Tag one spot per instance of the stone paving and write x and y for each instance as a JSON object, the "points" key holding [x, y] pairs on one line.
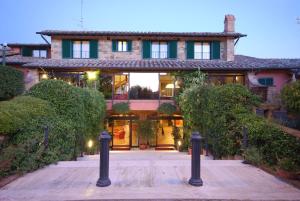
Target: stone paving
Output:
{"points": [[148, 175]]}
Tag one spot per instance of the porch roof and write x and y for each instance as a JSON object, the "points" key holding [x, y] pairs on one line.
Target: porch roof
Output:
{"points": [[240, 63]]}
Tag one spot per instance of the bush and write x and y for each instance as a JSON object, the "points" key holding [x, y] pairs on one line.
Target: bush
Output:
{"points": [[70, 113], [121, 108], [11, 82], [146, 131], [290, 96], [167, 108], [214, 111], [253, 156], [23, 120]]}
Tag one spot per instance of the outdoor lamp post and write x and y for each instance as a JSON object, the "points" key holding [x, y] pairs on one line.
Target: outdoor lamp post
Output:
{"points": [[4, 46]]}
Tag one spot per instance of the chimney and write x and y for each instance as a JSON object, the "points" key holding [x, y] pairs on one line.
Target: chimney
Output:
{"points": [[229, 23]]}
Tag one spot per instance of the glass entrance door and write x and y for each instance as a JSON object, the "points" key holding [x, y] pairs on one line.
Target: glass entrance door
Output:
{"points": [[121, 133]]}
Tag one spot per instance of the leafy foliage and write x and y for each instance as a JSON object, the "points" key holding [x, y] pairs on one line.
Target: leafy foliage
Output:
{"points": [[167, 108], [70, 113], [24, 121], [146, 130], [290, 96], [11, 82], [121, 108], [219, 112]]}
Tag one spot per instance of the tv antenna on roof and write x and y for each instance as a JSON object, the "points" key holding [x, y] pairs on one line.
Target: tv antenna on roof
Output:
{"points": [[81, 14]]}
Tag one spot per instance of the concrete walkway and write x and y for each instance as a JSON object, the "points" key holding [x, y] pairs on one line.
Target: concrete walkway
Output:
{"points": [[148, 175]]}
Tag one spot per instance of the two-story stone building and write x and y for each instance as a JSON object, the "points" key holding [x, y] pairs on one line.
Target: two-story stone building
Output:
{"points": [[138, 68]]}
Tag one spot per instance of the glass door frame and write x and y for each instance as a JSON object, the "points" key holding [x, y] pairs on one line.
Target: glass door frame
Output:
{"points": [[129, 118]]}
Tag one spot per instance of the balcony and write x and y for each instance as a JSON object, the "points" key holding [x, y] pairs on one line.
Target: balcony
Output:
{"points": [[135, 105]]}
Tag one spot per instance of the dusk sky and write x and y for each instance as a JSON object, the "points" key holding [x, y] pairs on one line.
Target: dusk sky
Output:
{"points": [[271, 25]]}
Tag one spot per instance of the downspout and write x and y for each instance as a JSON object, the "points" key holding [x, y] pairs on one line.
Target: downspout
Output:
{"points": [[43, 37]]}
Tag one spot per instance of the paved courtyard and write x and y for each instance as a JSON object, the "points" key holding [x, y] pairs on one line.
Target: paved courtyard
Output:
{"points": [[148, 175]]}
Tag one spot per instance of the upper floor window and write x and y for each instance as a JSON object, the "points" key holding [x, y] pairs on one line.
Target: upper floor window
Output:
{"points": [[159, 50], [201, 50], [39, 53], [81, 49], [121, 45], [266, 81]]}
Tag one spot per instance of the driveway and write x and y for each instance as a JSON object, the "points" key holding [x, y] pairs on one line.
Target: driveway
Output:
{"points": [[148, 175]]}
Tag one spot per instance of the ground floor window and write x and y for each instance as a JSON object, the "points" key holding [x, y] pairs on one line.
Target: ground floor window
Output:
{"points": [[219, 79]]}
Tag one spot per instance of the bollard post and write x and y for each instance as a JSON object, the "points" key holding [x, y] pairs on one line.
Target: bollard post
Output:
{"points": [[46, 136], [245, 138], [195, 179], [104, 180]]}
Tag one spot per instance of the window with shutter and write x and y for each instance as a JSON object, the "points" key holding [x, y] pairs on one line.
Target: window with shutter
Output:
{"points": [[146, 49]]}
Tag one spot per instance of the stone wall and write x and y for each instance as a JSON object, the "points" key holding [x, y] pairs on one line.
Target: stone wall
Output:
{"points": [[31, 77], [56, 49], [105, 51]]}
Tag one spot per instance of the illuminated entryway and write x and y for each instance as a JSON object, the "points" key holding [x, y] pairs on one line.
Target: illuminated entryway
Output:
{"points": [[125, 136]]}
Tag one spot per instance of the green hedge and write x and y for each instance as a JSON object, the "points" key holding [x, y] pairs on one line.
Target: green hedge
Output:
{"points": [[22, 120], [290, 96], [167, 108], [72, 114], [11, 82], [220, 112]]}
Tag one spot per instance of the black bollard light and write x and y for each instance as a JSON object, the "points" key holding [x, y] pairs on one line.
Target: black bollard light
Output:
{"points": [[104, 160], [195, 179]]}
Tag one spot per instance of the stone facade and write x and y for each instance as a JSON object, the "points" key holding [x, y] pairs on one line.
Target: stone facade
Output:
{"points": [[56, 49], [31, 77], [181, 55], [105, 51], [228, 51]]}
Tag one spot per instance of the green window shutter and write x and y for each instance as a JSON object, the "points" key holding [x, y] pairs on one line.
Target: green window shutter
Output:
{"points": [[172, 49], [67, 49], [129, 45], [215, 52], [190, 49], [146, 49], [26, 52], [94, 49], [114, 45]]}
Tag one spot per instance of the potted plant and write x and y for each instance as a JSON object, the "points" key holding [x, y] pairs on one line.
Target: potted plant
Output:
{"points": [[146, 133], [177, 137], [287, 168], [167, 108]]}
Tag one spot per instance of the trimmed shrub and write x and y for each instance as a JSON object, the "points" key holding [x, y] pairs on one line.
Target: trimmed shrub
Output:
{"points": [[167, 108], [82, 109], [290, 96], [11, 82], [23, 120]]}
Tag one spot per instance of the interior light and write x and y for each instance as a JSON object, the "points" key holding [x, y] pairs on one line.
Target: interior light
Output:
{"points": [[44, 76], [179, 143], [69, 83], [55, 78], [163, 73], [170, 86], [90, 143], [92, 75], [236, 78]]}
